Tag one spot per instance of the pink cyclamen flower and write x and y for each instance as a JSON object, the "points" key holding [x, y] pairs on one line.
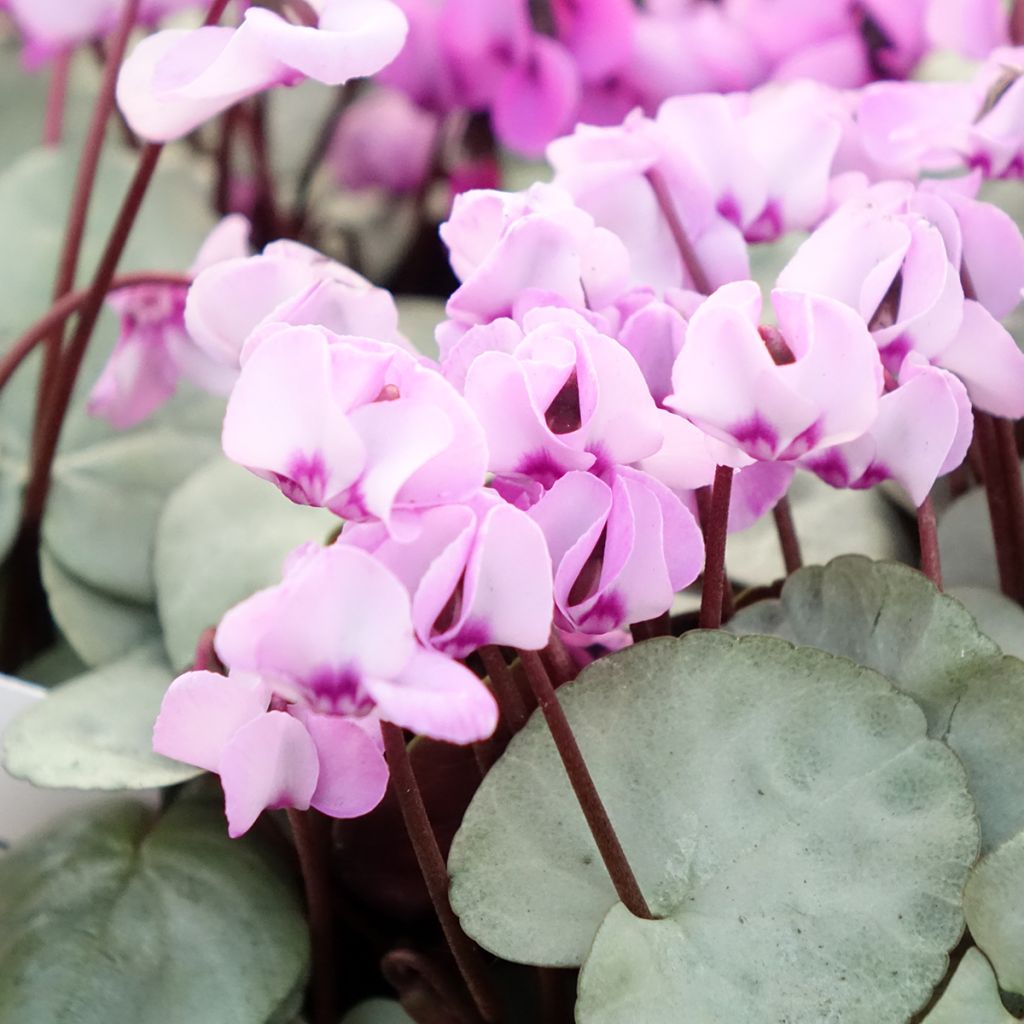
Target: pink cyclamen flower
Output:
{"points": [[621, 547], [477, 572], [559, 396], [608, 173], [154, 350], [270, 754], [288, 283], [357, 426], [176, 79], [922, 431], [383, 140], [504, 244], [336, 637], [727, 382], [899, 256]]}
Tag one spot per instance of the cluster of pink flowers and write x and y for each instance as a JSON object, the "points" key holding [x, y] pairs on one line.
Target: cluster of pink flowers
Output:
{"points": [[537, 69], [603, 354]]}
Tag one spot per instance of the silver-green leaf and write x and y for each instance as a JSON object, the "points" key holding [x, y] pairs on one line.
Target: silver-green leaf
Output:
{"points": [[95, 732], [786, 815]]}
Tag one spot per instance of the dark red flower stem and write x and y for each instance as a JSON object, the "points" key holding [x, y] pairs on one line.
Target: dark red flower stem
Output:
{"points": [[311, 832], [715, 533], [927, 532], [601, 828], [513, 710], [435, 873], [1017, 23], [998, 483], [67, 307], [1009, 457], [687, 252], [788, 540], [81, 194], [56, 99]]}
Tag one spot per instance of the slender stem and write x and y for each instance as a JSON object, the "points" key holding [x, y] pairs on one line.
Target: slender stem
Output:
{"points": [[614, 857], [266, 211], [59, 395], [927, 532], [67, 307], [687, 252], [715, 534], [999, 507], [1017, 23], [312, 840], [1013, 481], [510, 700], [561, 663], [435, 873], [788, 540], [85, 180], [222, 188], [56, 99]]}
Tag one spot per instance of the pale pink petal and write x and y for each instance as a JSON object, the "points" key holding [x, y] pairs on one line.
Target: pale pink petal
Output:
{"points": [[986, 358], [755, 490], [506, 596], [337, 618], [437, 697], [972, 27], [202, 711], [599, 33], [535, 100], [353, 773], [284, 423], [175, 80], [354, 38], [270, 763], [501, 335], [227, 241]]}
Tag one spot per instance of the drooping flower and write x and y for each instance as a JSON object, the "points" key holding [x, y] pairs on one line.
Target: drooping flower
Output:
{"points": [[477, 572], [357, 426], [621, 547], [270, 754], [336, 637], [176, 79], [922, 431], [726, 380], [154, 349], [383, 140], [288, 283], [505, 245], [560, 396], [900, 257]]}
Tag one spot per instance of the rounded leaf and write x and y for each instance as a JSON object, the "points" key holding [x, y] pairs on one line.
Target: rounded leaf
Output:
{"points": [[885, 616], [96, 731], [972, 996], [995, 912], [114, 917], [786, 816], [987, 734], [99, 627]]}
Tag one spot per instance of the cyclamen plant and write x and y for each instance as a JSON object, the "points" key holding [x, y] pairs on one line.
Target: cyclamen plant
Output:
{"points": [[510, 616]]}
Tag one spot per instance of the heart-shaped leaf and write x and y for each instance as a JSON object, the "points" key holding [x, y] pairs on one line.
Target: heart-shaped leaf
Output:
{"points": [[995, 911], [885, 616], [100, 628], [106, 499], [972, 996], [223, 535], [118, 917], [787, 818], [96, 732]]}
